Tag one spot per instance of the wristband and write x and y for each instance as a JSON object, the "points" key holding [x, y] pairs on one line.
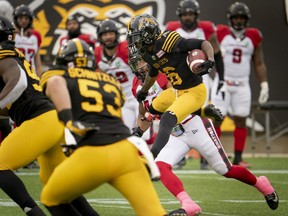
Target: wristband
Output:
{"points": [[65, 115]]}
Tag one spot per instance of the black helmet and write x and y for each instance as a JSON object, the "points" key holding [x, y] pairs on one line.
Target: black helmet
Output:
{"points": [[7, 30], [76, 53], [73, 33], [238, 9], [134, 62], [108, 26], [143, 30], [188, 6], [23, 10]]}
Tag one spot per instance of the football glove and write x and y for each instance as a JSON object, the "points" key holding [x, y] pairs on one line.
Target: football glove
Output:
{"points": [[221, 88], [264, 93], [81, 128], [141, 96], [137, 132], [148, 117], [206, 67]]}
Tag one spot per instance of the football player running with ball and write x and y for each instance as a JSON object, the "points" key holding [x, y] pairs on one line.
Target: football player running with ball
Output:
{"points": [[167, 53], [196, 133]]}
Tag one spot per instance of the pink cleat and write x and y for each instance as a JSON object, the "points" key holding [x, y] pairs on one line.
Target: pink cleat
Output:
{"points": [[263, 185]]}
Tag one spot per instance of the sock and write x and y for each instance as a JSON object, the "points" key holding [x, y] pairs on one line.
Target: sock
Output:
{"points": [[263, 185], [16, 190], [83, 207], [242, 174], [169, 179], [63, 210], [240, 135], [188, 204], [35, 211], [168, 121], [218, 131]]}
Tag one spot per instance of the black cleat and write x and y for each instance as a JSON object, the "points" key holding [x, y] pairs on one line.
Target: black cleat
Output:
{"points": [[210, 111], [272, 200], [178, 212]]}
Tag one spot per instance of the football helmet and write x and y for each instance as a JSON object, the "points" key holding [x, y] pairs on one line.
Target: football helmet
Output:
{"points": [[7, 30], [23, 10], [138, 66], [143, 30], [73, 30], [76, 53], [238, 9], [108, 26], [188, 6]]}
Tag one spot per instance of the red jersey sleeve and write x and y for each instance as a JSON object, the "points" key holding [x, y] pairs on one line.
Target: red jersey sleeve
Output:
{"points": [[122, 51], [98, 54], [89, 39], [38, 35], [173, 25], [255, 35], [136, 83], [208, 28], [222, 31]]}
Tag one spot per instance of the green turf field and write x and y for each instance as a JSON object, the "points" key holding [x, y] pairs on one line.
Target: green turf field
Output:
{"points": [[216, 195]]}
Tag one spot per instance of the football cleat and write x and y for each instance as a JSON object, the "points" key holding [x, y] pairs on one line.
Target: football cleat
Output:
{"points": [[210, 111], [272, 200], [178, 212]]}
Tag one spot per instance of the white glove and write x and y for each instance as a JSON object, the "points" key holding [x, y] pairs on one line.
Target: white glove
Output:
{"points": [[264, 93]]}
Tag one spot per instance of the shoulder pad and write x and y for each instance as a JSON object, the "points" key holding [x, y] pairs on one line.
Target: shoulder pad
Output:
{"points": [[169, 39]]}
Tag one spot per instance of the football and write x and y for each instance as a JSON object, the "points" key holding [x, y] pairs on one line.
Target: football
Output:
{"points": [[195, 58]]}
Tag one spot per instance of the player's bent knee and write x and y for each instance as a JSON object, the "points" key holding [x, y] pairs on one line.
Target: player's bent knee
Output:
{"points": [[219, 168]]}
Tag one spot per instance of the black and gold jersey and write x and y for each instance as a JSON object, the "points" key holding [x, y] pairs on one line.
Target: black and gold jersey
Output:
{"points": [[32, 102], [169, 57], [97, 98]]}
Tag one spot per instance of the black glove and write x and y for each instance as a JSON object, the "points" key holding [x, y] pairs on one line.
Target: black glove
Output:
{"points": [[68, 149], [221, 88], [81, 128], [141, 96], [206, 67], [137, 132]]}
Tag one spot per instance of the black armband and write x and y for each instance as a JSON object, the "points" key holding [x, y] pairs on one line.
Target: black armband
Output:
{"points": [[137, 131], [65, 115], [219, 65]]}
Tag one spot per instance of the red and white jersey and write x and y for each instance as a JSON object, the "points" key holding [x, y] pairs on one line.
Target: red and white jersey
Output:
{"points": [[203, 30], [157, 88], [237, 53], [29, 45], [117, 66], [89, 39]]}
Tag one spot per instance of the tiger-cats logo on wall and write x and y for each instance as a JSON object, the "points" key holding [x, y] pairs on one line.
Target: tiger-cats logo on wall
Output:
{"points": [[50, 16]]}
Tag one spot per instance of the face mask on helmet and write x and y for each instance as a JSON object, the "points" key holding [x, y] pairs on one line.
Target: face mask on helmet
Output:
{"points": [[7, 30], [138, 66], [238, 16], [76, 54], [186, 9], [143, 30], [23, 10], [104, 27]]}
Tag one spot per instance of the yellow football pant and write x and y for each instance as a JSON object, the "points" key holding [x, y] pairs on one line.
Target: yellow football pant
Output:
{"points": [[117, 164], [38, 137], [181, 102]]}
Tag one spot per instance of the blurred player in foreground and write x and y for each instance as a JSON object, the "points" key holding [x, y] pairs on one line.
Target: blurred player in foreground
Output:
{"points": [[89, 105], [22, 99]]}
